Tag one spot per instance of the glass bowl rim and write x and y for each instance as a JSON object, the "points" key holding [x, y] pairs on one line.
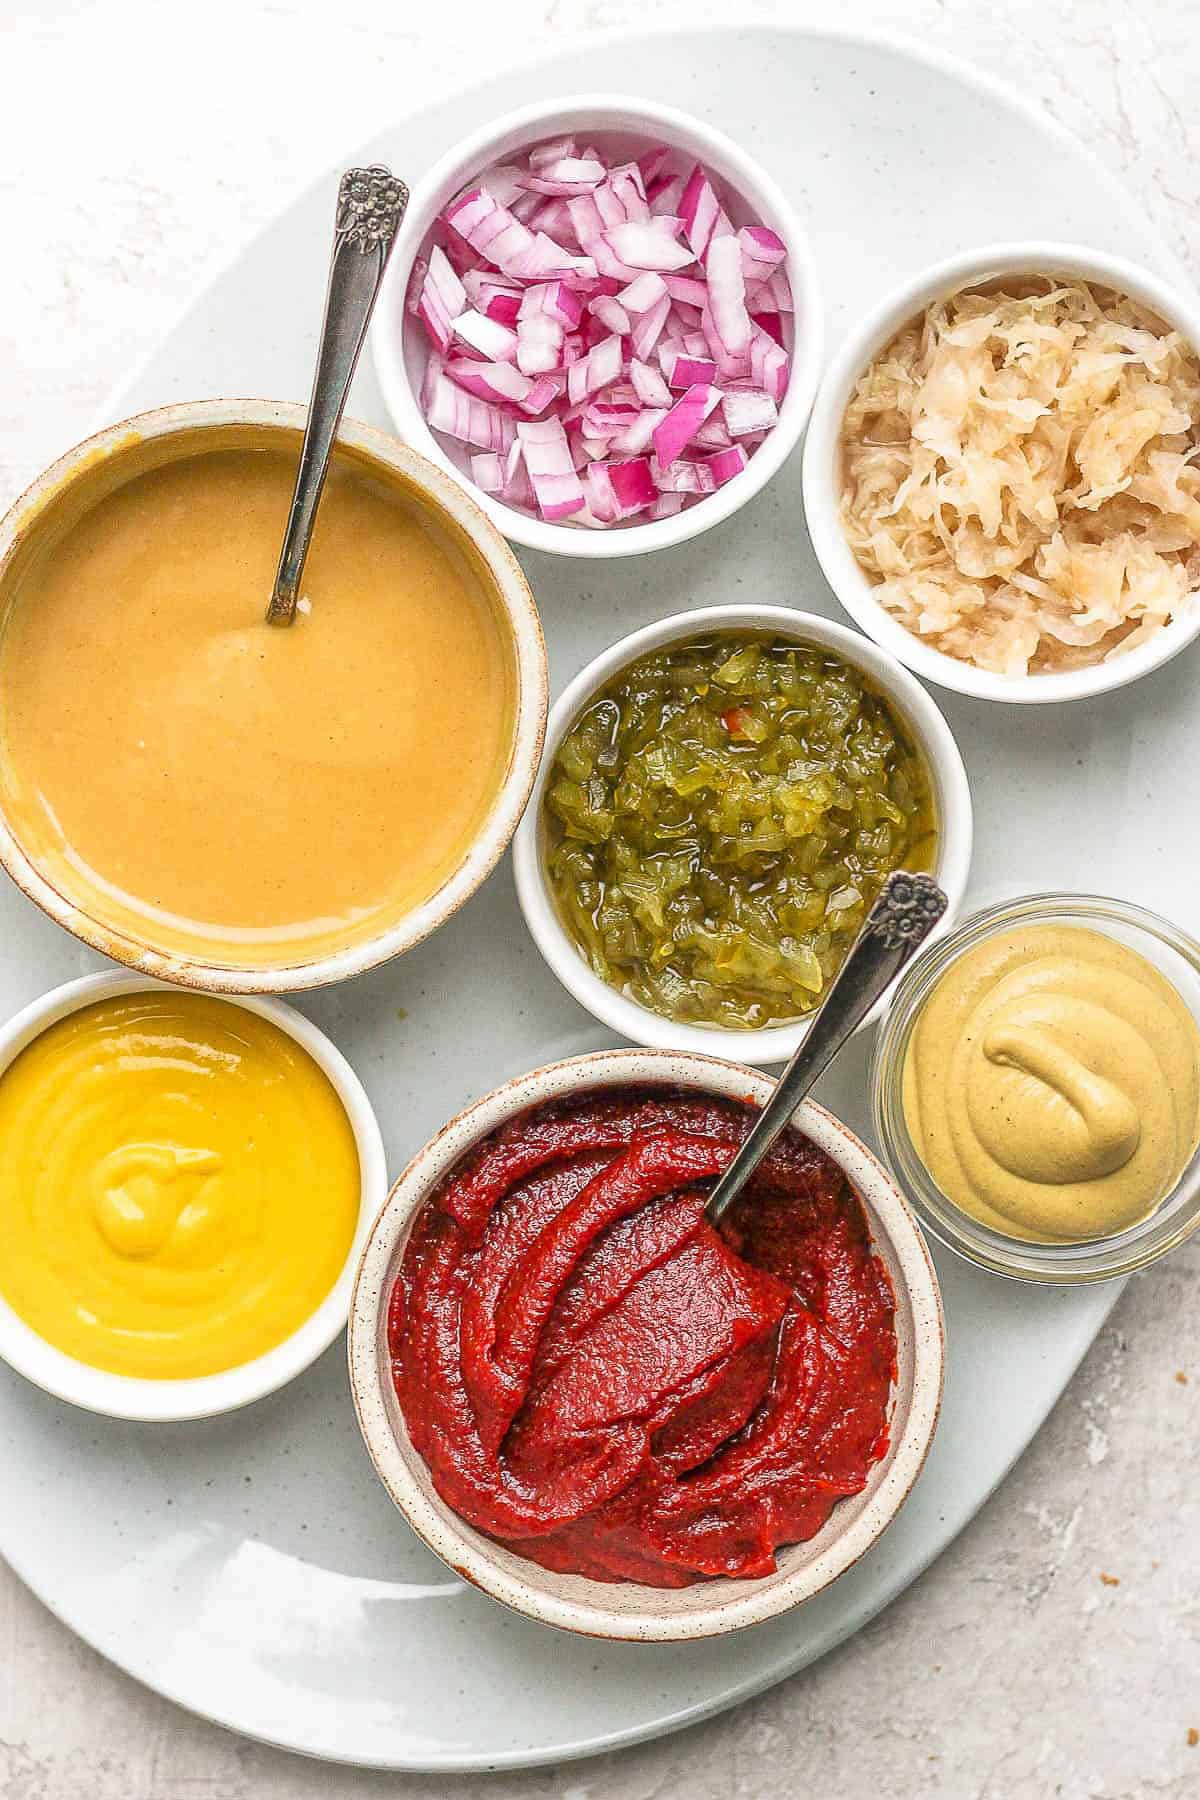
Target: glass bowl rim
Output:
{"points": [[1053, 1264]]}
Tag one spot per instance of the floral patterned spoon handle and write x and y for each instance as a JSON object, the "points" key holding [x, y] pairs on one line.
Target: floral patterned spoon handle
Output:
{"points": [[370, 206]]}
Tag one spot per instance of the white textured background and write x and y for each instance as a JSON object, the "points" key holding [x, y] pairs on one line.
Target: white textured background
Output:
{"points": [[1055, 1649]]}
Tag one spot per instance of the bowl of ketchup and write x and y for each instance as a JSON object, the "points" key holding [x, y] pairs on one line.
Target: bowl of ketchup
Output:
{"points": [[611, 1415]]}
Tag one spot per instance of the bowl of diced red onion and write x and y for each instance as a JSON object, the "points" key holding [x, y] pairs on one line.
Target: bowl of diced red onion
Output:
{"points": [[602, 317]]}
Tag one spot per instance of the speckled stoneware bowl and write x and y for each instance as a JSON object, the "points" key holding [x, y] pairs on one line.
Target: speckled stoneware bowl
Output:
{"points": [[630, 1610], [151, 439]]}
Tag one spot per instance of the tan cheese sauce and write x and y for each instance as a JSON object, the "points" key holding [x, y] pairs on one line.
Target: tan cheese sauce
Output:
{"points": [[221, 788]]}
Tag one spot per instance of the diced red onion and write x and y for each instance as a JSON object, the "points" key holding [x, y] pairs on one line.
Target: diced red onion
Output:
{"points": [[501, 383], [762, 252], [442, 298], [547, 456], [771, 323], [611, 314], [748, 411], [633, 484], [605, 344], [552, 151], [567, 176], [649, 245], [776, 293], [638, 435], [727, 463], [643, 293], [648, 328], [542, 393], [712, 435], [648, 384], [687, 288], [585, 217], [556, 300], [683, 371], [492, 296], [460, 415], [769, 365], [539, 344], [487, 472], [683, 477], [679, 427], [702, 213], [665, 193], [601, 365], [493, 341], [727, 298]]}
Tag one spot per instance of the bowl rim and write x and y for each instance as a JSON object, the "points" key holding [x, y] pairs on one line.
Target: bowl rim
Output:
{"points": [[446, 499], [160, 1400], [917, 708], [820, 487], [752, 182], [1108, 1258], [466, 1551]]}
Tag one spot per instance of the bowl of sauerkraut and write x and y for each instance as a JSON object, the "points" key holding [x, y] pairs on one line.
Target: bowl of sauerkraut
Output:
{"points": [[1002, 473]]}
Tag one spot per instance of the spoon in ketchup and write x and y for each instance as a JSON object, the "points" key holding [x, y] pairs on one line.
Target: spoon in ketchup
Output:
{"points": [[905, 912]]}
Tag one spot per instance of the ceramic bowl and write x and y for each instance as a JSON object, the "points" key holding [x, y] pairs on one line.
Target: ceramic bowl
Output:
{"points": [[631, 1610], [151, 439], [1175, 954], [912, 704], [199, 1397], [401, 348], [822, 478]]}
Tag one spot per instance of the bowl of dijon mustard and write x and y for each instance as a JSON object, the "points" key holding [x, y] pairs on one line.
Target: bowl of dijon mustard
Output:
{"points": [[221, 802], [1037, 1087]]}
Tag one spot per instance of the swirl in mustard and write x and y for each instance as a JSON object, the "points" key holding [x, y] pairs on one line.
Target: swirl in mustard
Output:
{"points": [[1052, 1084], [179, 1187]]}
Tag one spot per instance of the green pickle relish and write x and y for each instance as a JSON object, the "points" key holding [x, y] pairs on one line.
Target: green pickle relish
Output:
{"points": [[719, 819]]}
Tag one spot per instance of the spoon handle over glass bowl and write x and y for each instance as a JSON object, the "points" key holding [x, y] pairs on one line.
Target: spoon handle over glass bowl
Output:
{"points": [[370, 205], [905, 912]]}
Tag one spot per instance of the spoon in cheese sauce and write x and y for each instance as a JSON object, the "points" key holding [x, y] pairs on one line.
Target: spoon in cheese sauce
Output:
{"points": [[371, 204]]}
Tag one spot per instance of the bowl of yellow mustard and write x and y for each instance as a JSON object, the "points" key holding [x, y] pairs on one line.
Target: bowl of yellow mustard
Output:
{"points": [[1036, 1087], [186, 1186]]}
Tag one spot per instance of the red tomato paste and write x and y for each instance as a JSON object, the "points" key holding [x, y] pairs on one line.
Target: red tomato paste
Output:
{"points": [[603, 1382]]}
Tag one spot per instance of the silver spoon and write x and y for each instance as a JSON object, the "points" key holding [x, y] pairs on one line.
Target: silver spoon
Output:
{"points": [[370, 206], [906, 911]]}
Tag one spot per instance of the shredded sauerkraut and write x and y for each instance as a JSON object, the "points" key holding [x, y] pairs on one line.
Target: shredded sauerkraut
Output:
{"points": [[1019, 475]]}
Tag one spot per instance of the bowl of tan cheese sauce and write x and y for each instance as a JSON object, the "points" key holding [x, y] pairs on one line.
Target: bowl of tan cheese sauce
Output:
{"points": [[233, 805]]}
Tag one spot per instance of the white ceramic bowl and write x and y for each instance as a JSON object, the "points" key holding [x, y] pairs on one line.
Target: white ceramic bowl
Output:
{"points": [[632, 1610], [822, 481], [200, 1397], [151, 439], [401, 348], [929, 729]]}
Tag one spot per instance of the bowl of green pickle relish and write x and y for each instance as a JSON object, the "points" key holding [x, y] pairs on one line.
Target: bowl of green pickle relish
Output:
{"points": [[721, 797]]}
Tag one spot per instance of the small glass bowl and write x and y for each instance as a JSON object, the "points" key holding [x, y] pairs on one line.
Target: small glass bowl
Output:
{"points": [[1175, 955]]}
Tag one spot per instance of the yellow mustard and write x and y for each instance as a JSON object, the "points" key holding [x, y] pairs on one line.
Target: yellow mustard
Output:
{"points": [[1052, 1084], [179, 1185]]}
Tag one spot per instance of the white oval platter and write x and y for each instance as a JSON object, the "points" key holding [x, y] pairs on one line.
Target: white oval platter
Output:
{"points": [[251, 1567]]}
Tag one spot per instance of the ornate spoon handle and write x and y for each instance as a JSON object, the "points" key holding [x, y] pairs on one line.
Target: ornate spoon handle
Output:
{"points": [[908, 908], [370, 206]]}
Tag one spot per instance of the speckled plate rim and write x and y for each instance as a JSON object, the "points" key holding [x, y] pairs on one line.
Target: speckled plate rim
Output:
{"points": [[530, 700], [598, 1609]]}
